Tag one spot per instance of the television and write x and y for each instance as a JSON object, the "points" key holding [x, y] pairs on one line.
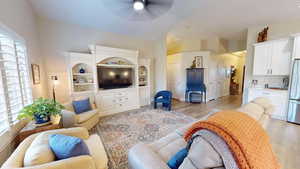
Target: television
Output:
{"points": [[113, 78]]}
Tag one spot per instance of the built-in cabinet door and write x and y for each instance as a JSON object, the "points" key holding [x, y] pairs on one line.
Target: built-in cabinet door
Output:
{"points": [[262, 59], [281, 57]]}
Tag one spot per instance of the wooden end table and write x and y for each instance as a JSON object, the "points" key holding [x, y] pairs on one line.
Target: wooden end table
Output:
{"points": [[32, 128]]}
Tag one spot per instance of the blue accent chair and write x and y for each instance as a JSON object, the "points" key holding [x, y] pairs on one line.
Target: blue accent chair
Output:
{"points": [[164, 97]]}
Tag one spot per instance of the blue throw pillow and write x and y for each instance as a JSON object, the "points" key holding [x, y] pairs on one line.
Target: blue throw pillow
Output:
{"points": [[81, 106], [67, 146], [178, 158]]}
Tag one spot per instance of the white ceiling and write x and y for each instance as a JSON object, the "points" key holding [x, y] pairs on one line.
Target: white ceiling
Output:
{"points": [[195, 18]]}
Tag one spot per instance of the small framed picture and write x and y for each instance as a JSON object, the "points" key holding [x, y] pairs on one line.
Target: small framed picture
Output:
{"points": [[36, 73]]}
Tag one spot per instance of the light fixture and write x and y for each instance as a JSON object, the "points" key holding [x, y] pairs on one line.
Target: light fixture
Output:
{"points": [[125, 74], [139, 5], [111, 73]]}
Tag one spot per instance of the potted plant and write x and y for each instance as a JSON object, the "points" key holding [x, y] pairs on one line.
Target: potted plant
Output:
{"points": [[41, 110]]}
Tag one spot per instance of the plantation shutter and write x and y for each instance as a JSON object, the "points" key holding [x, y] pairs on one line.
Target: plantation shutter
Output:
{"points": [[15, 81]]}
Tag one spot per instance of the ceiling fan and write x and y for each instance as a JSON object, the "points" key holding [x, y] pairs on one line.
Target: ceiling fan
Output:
{"points": [[138, 10]]}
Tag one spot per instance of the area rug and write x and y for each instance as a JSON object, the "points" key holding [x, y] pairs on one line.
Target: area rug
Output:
{"points": [[122, 131]]}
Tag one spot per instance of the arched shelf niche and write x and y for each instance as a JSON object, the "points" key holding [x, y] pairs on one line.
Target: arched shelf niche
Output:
{"points": [[116, 61], [143, 76], [83, 80]]}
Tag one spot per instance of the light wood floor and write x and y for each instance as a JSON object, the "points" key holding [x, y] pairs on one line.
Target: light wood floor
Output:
{"points": [[285, 137]]}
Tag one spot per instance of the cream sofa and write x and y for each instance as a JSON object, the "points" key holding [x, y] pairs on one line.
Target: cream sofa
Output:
{"points": [[157, 154], [96, 160], [87, 119]]}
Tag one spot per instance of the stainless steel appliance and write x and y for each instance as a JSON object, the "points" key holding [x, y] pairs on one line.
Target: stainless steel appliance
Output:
{"points": [[294, 99]]}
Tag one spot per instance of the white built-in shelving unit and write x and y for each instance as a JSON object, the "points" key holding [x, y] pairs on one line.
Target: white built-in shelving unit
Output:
{"points": [[108, 101]]}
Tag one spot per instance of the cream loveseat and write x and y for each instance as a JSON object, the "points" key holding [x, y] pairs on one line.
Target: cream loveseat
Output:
{"points": [[157, 154], [96, 160]]}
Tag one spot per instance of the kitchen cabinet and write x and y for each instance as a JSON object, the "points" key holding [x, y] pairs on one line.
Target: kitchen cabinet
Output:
{"points": [[279, 98], [272, 58]]}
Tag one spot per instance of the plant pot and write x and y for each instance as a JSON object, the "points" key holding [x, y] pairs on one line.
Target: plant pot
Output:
{"points": [[41, 120]]}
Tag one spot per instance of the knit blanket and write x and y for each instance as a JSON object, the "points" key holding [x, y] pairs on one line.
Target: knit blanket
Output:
{"points": [[245, 137]]}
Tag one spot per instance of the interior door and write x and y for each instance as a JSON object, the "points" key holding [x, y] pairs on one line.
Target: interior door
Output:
{"points": [[262, 59], [281, 57]]}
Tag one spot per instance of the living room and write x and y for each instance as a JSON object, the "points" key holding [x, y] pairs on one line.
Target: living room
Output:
{"points": [[117, 60]]}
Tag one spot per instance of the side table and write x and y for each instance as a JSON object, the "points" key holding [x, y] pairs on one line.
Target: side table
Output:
{"points": [[32, 128]]}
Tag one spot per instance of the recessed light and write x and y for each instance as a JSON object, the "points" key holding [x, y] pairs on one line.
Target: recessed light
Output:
{"points": [[138, 5]]}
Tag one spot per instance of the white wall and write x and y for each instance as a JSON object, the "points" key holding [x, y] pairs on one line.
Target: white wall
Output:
{"points": [[17, 17], [276, 31], [57, 38], [160, 53]]}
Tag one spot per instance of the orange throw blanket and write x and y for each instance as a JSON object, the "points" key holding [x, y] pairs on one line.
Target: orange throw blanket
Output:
{"points": [[245, 137]]}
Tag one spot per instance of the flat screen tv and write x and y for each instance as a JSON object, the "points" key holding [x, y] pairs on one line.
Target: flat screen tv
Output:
{"points": [[113, 78]]}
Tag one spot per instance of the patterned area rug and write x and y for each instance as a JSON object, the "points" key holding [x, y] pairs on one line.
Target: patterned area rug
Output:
{"points": [[121, 131]]}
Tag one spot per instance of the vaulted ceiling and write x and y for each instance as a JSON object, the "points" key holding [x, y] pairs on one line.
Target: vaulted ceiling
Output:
{"points": [[224, 18]]}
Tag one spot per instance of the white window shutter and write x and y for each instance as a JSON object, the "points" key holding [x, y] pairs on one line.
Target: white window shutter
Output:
{"points": [[15, 88]]}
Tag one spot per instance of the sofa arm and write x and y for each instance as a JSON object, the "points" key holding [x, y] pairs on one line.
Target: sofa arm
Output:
{"points": [[141, 156], [68, 118], [79, 162]]}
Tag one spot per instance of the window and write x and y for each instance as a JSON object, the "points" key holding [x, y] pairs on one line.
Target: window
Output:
{"points": [[15, 89]]}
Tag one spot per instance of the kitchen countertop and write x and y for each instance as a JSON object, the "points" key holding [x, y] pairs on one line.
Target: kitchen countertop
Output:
{"points": [[269, 89]]}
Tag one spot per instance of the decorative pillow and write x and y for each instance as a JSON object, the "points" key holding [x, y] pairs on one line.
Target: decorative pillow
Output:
{"points": [[38, 152], [67, 146], [81, 106], [177, 159]]}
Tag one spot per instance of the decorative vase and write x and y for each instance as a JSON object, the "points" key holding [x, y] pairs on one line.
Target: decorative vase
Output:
{"points": [[41, 120], [81, 70]]}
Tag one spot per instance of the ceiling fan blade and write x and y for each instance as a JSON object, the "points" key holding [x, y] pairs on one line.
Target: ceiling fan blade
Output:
{"points": [[157, 10], [160, 2]]}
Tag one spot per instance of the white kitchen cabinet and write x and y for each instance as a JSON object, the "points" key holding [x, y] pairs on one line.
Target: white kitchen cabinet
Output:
{"points": [[281, 57], [272, 58], [279, 98], [262, 59]]}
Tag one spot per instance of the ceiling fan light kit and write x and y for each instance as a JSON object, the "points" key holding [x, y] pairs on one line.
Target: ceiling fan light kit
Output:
{"points": [[138, 5], [138, 10]]}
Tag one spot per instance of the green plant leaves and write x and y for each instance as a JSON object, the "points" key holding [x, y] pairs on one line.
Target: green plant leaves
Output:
{"points": [[42, 107]]}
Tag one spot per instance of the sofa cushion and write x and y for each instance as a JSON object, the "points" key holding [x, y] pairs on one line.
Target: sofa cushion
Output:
{"points": [[169, 145], [253, 110], [265, 103], [202, 155], [67, 146], [38, 152], [82, 106], [83, 117]]}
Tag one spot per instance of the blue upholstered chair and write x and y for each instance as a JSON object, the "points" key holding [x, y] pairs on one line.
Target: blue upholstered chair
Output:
{"points": [[164, 97]]}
